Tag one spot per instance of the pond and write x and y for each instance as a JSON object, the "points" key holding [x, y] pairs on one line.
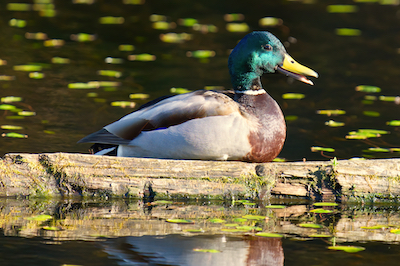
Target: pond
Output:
{"points": [[167, 232], [67, 68]]}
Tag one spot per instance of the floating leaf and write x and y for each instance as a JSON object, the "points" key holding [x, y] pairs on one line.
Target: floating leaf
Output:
{"points": [[331, 112], [366, 133], [371, 113], [155, 17], [377, 149], [395, 231], [49, 132], [265, 234], [10, 99], [389, 98], [8, 107], [349, 249], [375, 227], [163, 25], [254, 217], [249, 203], [179, 90], [233, 230], [141, 96], [206, 250], [26, 113], [332, 123], [342, 8], [249, 228], [291, 117], [109, 73], [316, 149], [29, 68], [233, 17], [19, 23], [83, 37], [18, 7], [325, 204], [11, 127], [320, 235], [321, 211], [111, 20], [142, 57], [201, 54], [123, 104], [175, 37], [179, 221], [277, 159], [14, 135], [347, 32], [395, 123], [231, 225], [217, 221], [187, 22], [40, 218], [5, 77], [293, 96], [81, 85], [134, 2], [237, 27], [36, 75], [126, 47], [60, 60], [270, 22], [310, 225], [275, 206], [240, 220], [53, 43], [112, 60], [159, 202]]}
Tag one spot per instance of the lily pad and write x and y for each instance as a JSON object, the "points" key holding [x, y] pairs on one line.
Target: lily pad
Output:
{"points": [[349, 249], [51, 228], [141, 96], [240, 220], [321, 211], [160, 202], [375, 227], [270, 22], [179, 221], [371, 113], [11, 127], [231, 225], [249, 228], [201, 54], [254, 217], [332, 123], [310, 225], [293, 96], [342, 8], [142, 57], [179, 90], [265, 234], [320, 235], [316, 149], [275, 206], [29, 68], [206, 250], [368, 88], [395, 231], [10, 99], [237, 27], [194, 230], [325, 204], [40, 218], [14, 135], [217, 221], [331, 112], [347, 32], [394, 123]]}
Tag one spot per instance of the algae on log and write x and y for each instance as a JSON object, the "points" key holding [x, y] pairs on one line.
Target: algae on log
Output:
{"points": [[64, 174]]}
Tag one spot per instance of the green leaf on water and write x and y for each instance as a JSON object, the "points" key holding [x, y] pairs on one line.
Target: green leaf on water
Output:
{"points": [[201, 54], [366, 133], [320, 235], [141, 96], [19, 23], [291, 117], [142, 57], [389, 98], [270, 22], [179, 221], [347, 32], [194, 230], [161, 202], [29, 68], [265, 234], [332, 123], [18, 7], [371, 113], [14, 135], [179, 90], [233, 17], [249, 203], [394, 123], [8, 107], [321, 211], [11, 127], [206, 250], [325, 204], [10, 99], [40, 218], [26, 113], [293, 96], [217, 221], [123, 104], [254, 217], [83, 37], [305, 225], [375, 227], [60, 60], [249, 228], [237, 27], [113, 60], [126, 47], [342, 8], [275, 206], [368, 88], [377, 149], [395, 231], [349, 249], [239, 220], [331, 112], [111, 20], [110, 73], [51, 228], [316, 149], [231, 225]]}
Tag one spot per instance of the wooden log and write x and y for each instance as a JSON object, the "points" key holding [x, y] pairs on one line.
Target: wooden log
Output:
{"points": [[64, 174]]}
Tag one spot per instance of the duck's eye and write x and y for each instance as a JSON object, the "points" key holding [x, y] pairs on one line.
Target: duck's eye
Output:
{"points": [[267, 47]]}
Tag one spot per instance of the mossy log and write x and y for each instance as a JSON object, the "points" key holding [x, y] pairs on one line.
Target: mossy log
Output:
{"points": [[64, 174]]}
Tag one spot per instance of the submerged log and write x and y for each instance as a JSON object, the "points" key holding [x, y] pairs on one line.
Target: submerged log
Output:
{"points": [[64, 174]]}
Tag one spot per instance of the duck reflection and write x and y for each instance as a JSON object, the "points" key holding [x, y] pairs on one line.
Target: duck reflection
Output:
{"points": [[180, 250]]}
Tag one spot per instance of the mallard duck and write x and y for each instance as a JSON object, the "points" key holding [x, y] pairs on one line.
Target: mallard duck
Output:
{"points": [[245, 124]]}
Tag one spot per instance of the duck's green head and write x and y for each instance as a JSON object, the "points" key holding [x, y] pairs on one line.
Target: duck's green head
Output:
{"points": [[261, 52]]}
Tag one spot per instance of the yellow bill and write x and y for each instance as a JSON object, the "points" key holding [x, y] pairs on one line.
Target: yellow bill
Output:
{"points": [[295, 70]]}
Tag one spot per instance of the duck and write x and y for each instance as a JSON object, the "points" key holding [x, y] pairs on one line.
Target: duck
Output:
{"points": [[243, 124]]}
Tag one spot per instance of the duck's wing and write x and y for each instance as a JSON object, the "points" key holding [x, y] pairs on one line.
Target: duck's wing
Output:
{"points": [[165, 113]]}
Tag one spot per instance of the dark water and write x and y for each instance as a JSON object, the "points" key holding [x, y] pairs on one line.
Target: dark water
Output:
{"points": [[65, 115]]}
